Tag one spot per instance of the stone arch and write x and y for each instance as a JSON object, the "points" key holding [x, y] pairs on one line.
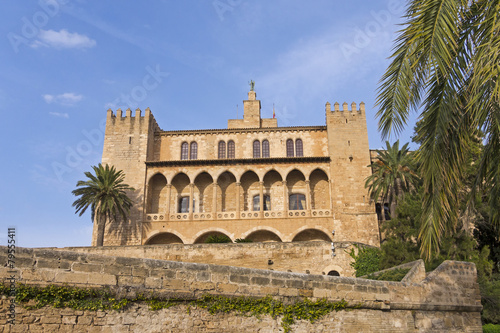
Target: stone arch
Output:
{"points": [[149, 176], [226, 192], [201, 236], [203, 192], [320, 190], [249, 187], [167, 237], [157, 194], [273, 187], [267, 229], [309, 234], [263, 236], [296, 183], [180, 188], [333, 268]]}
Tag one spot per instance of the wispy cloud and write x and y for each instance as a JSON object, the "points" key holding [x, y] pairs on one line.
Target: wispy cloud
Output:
{"points": [[66, 99], [63, 39], [57, 114]]}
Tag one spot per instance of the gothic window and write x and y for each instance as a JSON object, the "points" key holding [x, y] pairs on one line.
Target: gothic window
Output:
{"points": [[194, 151], [265, 148], [299, 151], [222, 149], [230, 149], [297, 201], [184, 151], [256, 149], [289, 148]]}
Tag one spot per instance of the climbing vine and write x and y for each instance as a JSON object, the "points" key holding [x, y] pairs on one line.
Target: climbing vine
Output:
{"points": [[34, 297]]}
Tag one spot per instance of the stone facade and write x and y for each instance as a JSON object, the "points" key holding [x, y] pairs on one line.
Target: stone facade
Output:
{"points": [[253, 180], [445, 300]]}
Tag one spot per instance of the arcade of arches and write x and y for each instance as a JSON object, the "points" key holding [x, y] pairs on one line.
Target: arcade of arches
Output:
{"points": [[270, 207]]}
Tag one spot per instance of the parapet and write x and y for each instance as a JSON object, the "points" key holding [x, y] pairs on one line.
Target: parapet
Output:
{"points": [[148, 115], [345, 108]]}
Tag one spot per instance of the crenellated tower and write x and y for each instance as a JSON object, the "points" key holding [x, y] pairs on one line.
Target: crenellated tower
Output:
{"points": [[350, 156], [128, 144]]}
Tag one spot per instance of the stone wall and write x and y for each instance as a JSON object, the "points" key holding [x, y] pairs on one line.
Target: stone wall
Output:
{"points": [[446, 300], [276, 256]]}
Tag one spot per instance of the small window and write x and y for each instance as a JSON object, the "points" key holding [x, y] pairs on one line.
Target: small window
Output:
{"points": [[183, 205], [194, 151], [230, 149], [222, 149], [333, 273], [256, 149], [289, 148], [256, 202], [265, 148], [299, 151], [297, 202], [184, 151]]}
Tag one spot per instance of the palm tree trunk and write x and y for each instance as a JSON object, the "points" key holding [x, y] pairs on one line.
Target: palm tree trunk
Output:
{"points": [[101, 224]]}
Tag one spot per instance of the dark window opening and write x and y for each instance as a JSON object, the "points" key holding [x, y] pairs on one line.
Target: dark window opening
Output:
{"points": [[333, 273], [298, 148], [230, 149], [265, 148], [256, 149], [194, 151], [297, 202], [289, 148], [184, 151], [222, 149]]}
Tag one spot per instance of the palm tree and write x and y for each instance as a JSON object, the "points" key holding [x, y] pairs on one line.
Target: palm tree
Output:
{"points": [[105, 194], [445, 66], [392, 175]]}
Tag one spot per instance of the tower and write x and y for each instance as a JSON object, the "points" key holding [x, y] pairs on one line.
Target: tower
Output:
{"points": [[350, 157], [128, 144]]}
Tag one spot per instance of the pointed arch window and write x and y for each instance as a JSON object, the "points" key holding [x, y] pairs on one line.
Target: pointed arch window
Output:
{"points": [[222, 149], [297, 201], [299, 150], [256, 149], [184, 151], [194, 151], [230, 149], [265, 148], [289, 148]]}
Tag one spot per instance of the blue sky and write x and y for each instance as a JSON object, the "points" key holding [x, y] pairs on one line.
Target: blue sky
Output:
{"points": [[64, 62]]}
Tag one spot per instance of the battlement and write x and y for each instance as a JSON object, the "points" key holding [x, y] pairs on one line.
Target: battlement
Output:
{"points": [[111, 117], [345, 107]]}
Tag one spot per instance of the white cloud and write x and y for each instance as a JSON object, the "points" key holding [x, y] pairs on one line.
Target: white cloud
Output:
{"points": [[63, 40], [57, 114], [66, 99]]}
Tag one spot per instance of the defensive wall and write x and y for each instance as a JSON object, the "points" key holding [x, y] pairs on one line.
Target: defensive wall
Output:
{"points": [[445, 300], [286, 257]]}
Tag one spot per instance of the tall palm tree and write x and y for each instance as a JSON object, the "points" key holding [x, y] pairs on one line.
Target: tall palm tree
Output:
{"points": [[392, 175], [105, 194], [445, 66]]}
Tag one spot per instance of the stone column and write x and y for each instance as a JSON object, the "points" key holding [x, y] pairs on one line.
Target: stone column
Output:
{"points": [[285, 198], [169, 198], [331, 194], [261, 197], [214, 202], [238, 188], [190, 203], [308, 195]]}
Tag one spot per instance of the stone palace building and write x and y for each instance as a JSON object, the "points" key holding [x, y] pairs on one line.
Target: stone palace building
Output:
{"points": [[254, 180]]}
